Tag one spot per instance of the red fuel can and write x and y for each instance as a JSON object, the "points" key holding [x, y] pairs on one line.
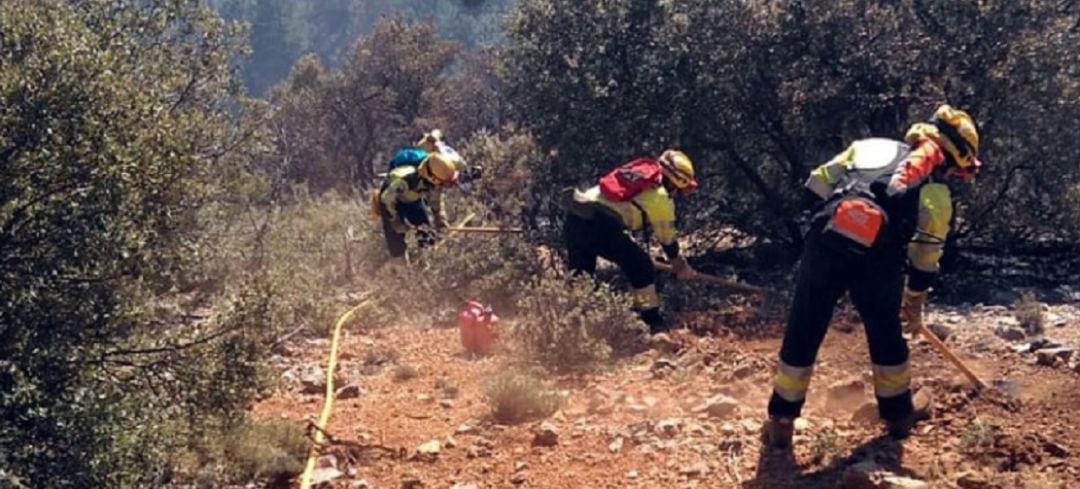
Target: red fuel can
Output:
{"points": [[477, 324]]}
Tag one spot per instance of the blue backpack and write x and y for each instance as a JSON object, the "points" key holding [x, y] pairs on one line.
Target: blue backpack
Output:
{"points": [[410, 156]]}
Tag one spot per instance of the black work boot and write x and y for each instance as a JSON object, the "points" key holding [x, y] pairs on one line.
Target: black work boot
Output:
{"points": [[778, 432], [921, 403], [654, 319]]}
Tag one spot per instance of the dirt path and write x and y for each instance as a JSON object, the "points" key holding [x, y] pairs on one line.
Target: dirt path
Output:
{"points": [[642, 422]]}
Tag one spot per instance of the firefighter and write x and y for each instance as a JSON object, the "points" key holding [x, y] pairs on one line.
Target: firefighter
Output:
{"points": [[883, 213], [407, 194], [597, 226], [433, 142]]}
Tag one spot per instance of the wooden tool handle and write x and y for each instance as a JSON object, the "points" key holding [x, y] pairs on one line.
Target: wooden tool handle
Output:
{"points": [[463, 229], [944, 349], [713, 279]]}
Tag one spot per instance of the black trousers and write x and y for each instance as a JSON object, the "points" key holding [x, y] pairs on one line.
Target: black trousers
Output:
{"points": [[414, 213], [875, 285], [602, 236]]}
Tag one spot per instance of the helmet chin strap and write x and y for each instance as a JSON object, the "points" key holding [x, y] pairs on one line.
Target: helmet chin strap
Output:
{"points": [[670, 187]]}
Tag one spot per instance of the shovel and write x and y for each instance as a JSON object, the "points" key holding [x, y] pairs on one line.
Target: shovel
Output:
{"points": [[768, 302], [484, 230], [713, 279], [944, 349]]}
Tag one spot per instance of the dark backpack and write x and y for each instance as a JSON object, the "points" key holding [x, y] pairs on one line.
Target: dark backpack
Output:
{"points": [[858, 211], [629, 180]]}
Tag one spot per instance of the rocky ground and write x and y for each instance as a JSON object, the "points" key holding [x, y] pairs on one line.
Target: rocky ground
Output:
{"points": [[688, 412]]}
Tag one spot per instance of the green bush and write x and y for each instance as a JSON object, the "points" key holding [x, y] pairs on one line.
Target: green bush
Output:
{"points": [[268, 449], [486, 268], [244, 452], [403, 373], [978, 436], [516, 397], [740, 86], [574, 323], [118, 124], [1029, 313]]}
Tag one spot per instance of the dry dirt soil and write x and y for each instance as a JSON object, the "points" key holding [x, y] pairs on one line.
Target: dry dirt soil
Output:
{"points": [[688, 414]]}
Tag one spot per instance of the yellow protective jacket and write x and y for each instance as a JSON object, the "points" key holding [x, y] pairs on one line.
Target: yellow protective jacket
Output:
{"points": [[654, 208], [404, 184], [935, 199]]}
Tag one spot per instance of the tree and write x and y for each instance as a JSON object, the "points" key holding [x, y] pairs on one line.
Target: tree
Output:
{"points": [[116, 121], [760, 93], [341, 127], [283, 31]]}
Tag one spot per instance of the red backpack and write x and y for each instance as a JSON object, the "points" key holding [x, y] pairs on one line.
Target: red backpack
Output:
{"points": [[630, 179]]}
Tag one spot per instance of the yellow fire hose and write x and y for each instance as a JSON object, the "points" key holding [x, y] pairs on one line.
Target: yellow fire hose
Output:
{"points": [[331, 364]]}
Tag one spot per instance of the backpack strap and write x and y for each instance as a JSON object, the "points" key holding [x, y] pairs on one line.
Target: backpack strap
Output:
{"points": [[646, 226], [413, 180]]}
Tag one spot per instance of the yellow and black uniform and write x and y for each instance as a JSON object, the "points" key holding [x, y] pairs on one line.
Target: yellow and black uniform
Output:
{"points": [[597, 227], [637, 196], [905, 181], [405, 197]]}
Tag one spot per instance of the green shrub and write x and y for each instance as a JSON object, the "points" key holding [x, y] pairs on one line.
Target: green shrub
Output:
{"points": [[486, 268], [447, 388], [376, 358], [1029, 312], [406, 372], [515, 397], [306, 251], [977, 437], [245, 451], [825, 445], [269, 449], [574, 323]]}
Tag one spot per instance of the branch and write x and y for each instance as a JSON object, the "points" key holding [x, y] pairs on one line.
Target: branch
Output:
{"points": [[18, 216], [997, 200], [172, 348], [771, 198]]}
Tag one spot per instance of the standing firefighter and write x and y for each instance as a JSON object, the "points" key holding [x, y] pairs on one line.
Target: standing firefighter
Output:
{"points": [[879, 198], [635, 196]]}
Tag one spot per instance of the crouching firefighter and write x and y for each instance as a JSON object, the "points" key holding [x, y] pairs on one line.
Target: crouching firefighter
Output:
{"points": [[406, 195], [883, 212], [635, 196]]}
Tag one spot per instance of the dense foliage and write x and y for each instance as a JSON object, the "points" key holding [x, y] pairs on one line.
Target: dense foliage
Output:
{"points": [[760, 93], [114, 122]]}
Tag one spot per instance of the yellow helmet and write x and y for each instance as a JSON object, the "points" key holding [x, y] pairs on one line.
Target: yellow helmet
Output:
{"points": [[429, 142], [961, 133], [439, 169], [678, 169]]}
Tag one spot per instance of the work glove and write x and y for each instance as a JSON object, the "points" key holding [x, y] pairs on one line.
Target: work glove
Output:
{"points": [[682, 269], [426, 236], [911, 310], [474, 172], [399, 226]]}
